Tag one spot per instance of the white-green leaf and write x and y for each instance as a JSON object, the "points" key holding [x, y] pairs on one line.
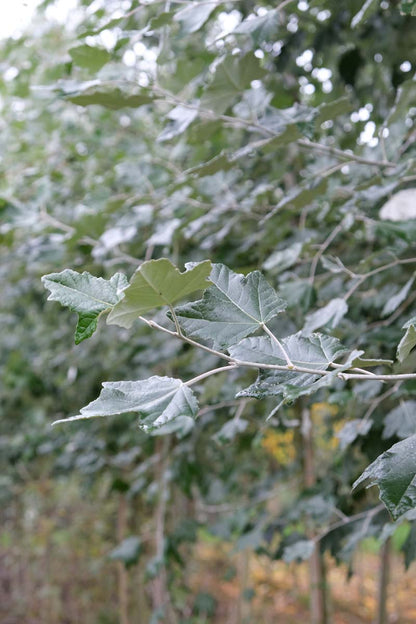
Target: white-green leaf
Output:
{"points": [[128, 551], [261, 28], [90, 57], [393, 303], [234, 307], [85, 294], [275, 383], [109, 95], [329, 316], [401, 421], [157, 400], [299, 551], [231, 78], [407, 343], [193, 16], [283, 259], [317, 351], [351, 430], [180, 118], [395, 474], [157, 283]]}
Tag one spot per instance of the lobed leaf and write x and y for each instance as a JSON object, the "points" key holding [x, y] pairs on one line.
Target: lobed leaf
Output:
{"points": [[395, 474], [234, 307], [231, 78], [330, 315], [158, 401], [401, 421], [317, 351], [393, 303], [407, 343], [157, 283], [85, 294]]}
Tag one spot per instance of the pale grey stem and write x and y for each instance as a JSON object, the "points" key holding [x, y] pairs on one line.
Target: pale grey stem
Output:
{"points": [[214, 371], [279, 344], [235, 363]]}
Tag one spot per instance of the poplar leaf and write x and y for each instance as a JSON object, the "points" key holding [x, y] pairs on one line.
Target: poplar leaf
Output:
{"points": [[157, 400], [234, 307], [157, 283], [395, 474], [85, 294], [407, 343]]}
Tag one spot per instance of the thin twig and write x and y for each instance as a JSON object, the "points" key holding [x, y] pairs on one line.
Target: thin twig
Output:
{"points": [[322, 250], [236, 363], [279, 344], [396, 313], [337, 525], [376, 402], [344, 154], [214, 371], [363, 277]]}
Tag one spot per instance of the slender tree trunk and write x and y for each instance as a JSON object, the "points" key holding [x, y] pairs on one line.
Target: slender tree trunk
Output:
{"points": [[160, 591], [243, 605], [123, 589], [317, 572], [383, 581]]}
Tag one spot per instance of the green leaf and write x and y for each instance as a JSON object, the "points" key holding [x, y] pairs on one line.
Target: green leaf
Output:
{"points": [[231, 78], [160, 20], [261, 28], [91, 58], [301, 195], [298, 293], [289, 134], [230, 430], [234, 307], [329, 316], [333, 109], [407, 343], [369, 362], [317, 351], [85, 294], [158, 400], [408, 7], [181, 426], [299, 551], [276, 383], [351, 430], [395, 474], [221, 162], [109, 95], [401, 421], [193, 16], [157, 283], [180, 118], [283, 259], [128, 551], [393, 303]]}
